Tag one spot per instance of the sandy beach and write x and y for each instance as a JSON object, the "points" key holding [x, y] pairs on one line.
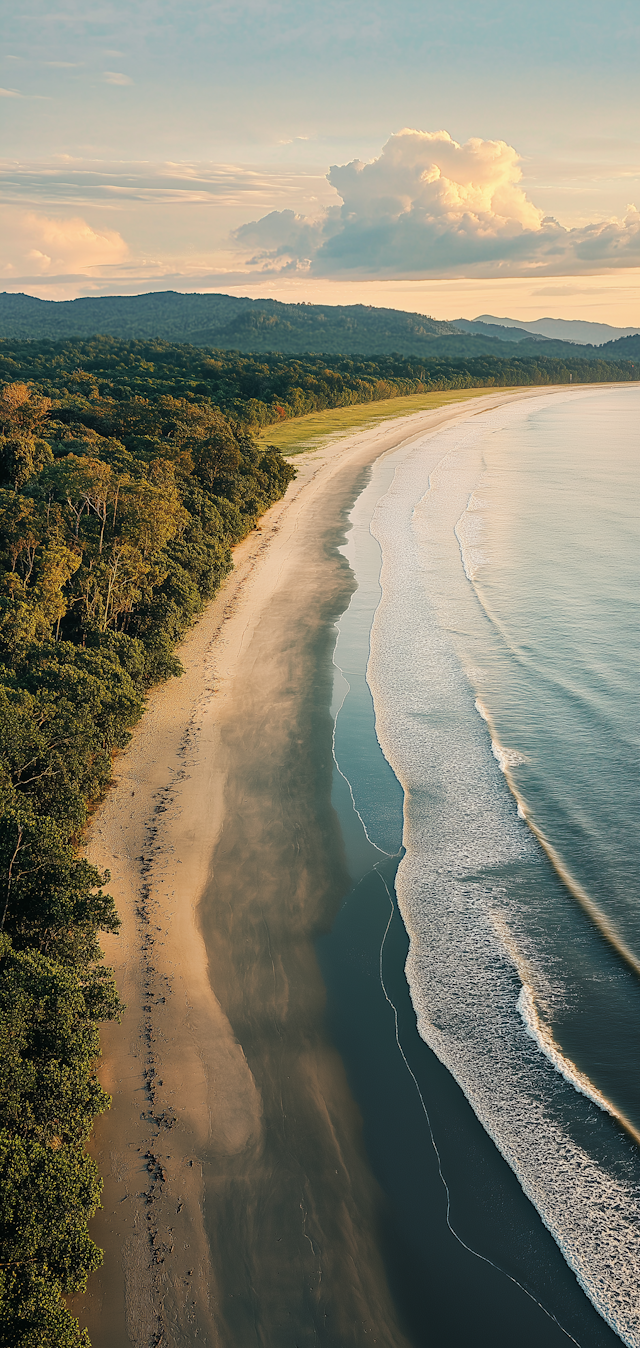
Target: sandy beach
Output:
{"points": [[239, 1207]]}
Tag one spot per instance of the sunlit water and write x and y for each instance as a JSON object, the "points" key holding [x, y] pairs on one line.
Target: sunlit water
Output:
{"points": [[504, 673]]}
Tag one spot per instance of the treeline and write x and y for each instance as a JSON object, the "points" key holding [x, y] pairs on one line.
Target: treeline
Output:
{"points": [[118, 387], [114, 531]]}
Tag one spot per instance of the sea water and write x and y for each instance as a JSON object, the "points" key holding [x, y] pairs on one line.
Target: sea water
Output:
{"points": [[503, 670]]}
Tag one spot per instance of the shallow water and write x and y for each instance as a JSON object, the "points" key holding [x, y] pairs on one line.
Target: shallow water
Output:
{"points": [[503, 659]]}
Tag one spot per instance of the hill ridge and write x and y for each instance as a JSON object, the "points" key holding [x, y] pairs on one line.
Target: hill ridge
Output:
{"points": [[239, 323]]}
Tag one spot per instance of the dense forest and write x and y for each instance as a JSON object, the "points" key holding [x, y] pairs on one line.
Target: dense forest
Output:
{"points": [[112, 537], [232, 323], [110, 384], [223, 321], [127, 472]]}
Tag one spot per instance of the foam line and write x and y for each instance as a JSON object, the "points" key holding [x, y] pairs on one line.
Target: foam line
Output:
{"points": [[335, 759], [543, 1037]]}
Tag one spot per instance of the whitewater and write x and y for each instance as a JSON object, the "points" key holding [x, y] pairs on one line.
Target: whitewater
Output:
{"points": [[522, 921]]}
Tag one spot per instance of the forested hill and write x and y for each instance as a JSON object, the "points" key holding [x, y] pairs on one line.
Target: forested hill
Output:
{"points": [[261, 326], [223, 321]]}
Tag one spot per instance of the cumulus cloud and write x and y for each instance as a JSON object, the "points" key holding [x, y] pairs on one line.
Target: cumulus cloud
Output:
{"points": [[116, 77], [45, 244], [286, 238], [429, 206]]}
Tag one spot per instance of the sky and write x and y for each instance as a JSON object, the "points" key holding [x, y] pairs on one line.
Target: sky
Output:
{"points": [[473, 156]]}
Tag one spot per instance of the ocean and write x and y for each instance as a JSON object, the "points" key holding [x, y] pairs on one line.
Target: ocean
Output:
{"points": [[486, 782]]}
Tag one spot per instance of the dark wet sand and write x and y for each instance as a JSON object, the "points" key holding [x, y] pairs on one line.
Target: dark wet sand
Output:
{"points": [[293, 1223]]}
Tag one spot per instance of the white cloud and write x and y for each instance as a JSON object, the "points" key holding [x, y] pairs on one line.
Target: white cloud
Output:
{"points": [[116, 77], [48, 245], [10, 93], [286, 238], [428, 206]]}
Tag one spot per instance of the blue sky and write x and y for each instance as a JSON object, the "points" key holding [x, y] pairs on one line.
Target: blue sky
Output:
{"points": [[140, 138]]}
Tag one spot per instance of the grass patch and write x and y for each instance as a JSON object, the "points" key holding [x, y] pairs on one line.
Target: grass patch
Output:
{"points": [[298, 434]]}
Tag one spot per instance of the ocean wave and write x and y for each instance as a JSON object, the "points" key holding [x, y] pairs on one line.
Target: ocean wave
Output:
{"points": [[540, 1031], [507, 758], [543, 1037], [469, 531]]}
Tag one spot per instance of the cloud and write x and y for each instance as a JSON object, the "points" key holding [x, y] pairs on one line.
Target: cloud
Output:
{"points": [[428, 206], [82, 183], [10, 93], [48, 245], [116, 77], [283, 236]]}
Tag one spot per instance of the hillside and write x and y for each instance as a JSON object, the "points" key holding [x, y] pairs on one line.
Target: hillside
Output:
{"points": [[625, 348], [227, 323], [223, 321]]}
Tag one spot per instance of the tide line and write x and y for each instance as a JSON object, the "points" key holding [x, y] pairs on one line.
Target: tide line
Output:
{"points": [[339, 769]]}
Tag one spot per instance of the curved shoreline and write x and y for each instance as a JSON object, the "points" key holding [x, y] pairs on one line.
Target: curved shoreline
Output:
{"points": [[183, 1089]]}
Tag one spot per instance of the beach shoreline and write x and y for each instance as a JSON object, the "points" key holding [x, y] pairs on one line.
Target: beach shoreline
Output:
{"points": [[189, 1103]]}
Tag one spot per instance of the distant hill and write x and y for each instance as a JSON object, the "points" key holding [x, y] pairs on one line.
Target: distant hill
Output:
{"points": [[229, 323], [500, 332], [224, 321], [562, 329]]}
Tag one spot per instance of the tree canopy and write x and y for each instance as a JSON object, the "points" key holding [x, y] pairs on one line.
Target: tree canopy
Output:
{"points": [[152, 396]]}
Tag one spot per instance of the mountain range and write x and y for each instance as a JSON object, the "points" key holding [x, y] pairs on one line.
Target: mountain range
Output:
{"points": [[562, 329], [229, 322]]}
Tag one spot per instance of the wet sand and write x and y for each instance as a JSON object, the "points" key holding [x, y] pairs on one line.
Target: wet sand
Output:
{"points": [[239, 1207]]}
